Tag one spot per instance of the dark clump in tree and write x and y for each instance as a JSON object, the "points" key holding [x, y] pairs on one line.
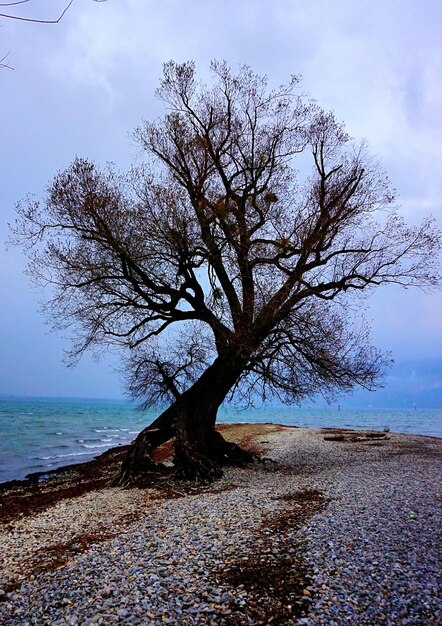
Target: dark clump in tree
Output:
{"points": [[226, 271]]}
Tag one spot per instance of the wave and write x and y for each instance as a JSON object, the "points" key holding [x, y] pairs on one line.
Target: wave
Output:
{"points": [[96, 445], [61, 456], [107, 430]]}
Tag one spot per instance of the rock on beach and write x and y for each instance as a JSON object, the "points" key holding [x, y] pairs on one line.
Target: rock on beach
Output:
{"points": [[334, 528]]}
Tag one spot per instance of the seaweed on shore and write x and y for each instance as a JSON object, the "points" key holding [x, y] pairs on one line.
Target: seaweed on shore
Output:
{"points": [[20, 498], [42, 490], [275, 576]]}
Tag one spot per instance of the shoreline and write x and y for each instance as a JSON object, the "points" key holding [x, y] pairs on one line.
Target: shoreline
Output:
{"points": [[33, 478], [328, 522], [70, 434], [41, 490]]}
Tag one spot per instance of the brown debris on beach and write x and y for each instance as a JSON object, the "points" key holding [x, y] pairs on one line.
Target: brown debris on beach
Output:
{"points": [[277, 542]]}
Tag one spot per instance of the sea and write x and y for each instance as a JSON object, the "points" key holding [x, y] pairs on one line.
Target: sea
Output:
{"points": [[38, 435]]}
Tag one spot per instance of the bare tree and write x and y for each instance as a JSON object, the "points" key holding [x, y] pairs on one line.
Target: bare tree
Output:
{"points": [[223, 269]]}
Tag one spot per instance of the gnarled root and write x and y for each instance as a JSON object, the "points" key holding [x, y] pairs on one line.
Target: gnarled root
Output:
{"points": [[228, 453], [198, 455], [192, 465], [138, 461]]}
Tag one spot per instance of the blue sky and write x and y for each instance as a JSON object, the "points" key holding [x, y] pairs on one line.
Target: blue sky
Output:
{"points": [[80, 87]]}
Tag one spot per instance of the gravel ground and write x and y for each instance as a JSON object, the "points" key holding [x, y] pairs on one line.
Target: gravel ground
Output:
{"points": [[338, 532]]}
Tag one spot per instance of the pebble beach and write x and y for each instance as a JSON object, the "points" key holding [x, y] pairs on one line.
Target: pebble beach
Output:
{"points": [[333, 527]]}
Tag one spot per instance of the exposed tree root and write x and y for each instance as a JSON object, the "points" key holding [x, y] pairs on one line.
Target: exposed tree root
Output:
{"points": [[192, 461], [229, 453], [138, 461]]}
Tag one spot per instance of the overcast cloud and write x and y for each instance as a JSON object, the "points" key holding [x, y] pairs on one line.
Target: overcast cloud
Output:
{"points": [[81, 86]]}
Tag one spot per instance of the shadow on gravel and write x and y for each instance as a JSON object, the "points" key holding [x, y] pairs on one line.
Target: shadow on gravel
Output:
{"points": [[275, 576]]}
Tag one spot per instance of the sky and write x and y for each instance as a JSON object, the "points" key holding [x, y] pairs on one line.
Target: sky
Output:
{"points": [[81, 86]]}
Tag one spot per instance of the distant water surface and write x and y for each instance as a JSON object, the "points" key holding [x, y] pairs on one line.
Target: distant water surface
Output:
{"points": [[38, 435]]}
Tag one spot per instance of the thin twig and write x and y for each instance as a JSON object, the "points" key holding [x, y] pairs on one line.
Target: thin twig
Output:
{"points": [[5, 65], [29, 19]]}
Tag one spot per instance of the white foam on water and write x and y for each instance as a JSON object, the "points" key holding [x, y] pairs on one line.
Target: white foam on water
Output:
{"points": [[93, 446], [61, 456], [107, 430]]}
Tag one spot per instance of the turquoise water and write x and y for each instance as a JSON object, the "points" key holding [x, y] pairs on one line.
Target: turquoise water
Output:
{"points": [[38, 435]]}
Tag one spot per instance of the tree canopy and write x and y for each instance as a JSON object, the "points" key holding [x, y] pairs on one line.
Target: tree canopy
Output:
{"points": [[243, 238]]}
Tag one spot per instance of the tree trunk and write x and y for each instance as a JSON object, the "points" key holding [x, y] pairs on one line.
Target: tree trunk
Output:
{"points": [[199, 450], [138, 459]]}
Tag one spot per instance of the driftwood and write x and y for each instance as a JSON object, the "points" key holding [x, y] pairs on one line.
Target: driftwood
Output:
{"points": [[353, 436]]}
